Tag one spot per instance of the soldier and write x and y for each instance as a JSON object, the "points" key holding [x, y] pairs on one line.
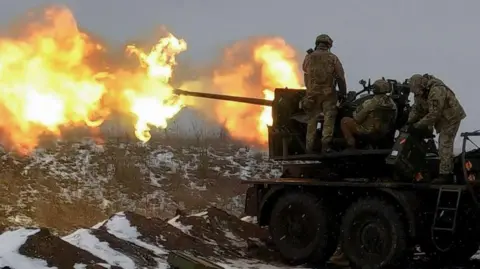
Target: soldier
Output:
{"points": [[436, 105], [375, 116], [322, 71]]}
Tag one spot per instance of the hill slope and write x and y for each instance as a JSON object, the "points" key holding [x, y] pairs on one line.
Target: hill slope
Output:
{"points": [[128, 240], [68, 185]]}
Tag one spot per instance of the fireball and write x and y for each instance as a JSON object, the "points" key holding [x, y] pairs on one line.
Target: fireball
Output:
{"points": [[45, 79], [152, 100]]}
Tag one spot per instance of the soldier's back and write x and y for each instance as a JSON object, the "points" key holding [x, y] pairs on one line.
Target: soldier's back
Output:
{"points": [[322, 69], [383, 112]]}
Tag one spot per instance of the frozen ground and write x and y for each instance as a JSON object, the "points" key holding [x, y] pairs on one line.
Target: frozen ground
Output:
{"points": [[89, 182], [127, 240]]}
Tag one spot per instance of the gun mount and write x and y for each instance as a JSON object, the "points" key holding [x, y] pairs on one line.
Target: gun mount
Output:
{"points": [[286, 135]]}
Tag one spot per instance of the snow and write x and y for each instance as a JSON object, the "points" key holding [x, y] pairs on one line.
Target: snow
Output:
{"points": [[184, 228], [248, 264], [119, 226], [86, 241], [11, 241], [249, 219], [86, 176]]}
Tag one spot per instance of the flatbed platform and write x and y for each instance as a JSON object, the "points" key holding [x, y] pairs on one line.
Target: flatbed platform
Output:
{"points": [[346, 183], [354, 153]]}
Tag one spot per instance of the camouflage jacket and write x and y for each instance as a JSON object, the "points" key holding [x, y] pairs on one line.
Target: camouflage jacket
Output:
{"points": [[439, 108], [377, 114], [321, 70]]}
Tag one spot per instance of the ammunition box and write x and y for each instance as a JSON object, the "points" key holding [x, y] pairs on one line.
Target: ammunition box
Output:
{"points": [[407, 156]]}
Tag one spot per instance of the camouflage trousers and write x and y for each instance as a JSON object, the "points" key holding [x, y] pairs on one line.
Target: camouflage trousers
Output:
{"points": [[349, 129], [327, 106], [446, 138]]}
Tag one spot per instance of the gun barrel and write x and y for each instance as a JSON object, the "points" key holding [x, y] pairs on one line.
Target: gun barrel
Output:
{"points": [[247, 100]]}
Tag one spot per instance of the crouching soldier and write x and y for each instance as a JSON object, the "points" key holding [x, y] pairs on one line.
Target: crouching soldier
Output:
{"points": [[375, 116]]}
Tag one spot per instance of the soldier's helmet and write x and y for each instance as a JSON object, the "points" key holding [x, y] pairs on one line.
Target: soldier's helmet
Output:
{"points": [[324, 39], [381, 86], [416, 83]]}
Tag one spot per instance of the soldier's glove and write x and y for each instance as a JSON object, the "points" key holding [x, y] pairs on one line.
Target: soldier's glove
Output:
{"points": [[412, 128], [405, 128]]}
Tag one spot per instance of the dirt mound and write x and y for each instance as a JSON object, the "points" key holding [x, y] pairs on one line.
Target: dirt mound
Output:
{"points": [[43, 245], [128, 240], [230, 236]]}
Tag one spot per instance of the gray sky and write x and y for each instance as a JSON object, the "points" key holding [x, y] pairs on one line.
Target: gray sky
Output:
{"points": [[373, 38]]}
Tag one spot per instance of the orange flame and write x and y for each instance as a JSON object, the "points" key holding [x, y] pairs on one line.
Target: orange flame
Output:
{"points": [[49, 79], [45, 81]]}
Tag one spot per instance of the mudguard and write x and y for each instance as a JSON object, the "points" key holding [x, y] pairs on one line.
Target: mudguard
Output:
{"points": [[408, 202]]}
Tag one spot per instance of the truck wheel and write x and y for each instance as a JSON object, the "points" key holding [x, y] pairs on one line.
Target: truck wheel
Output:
{"points": [[373, 234], [300, 226]]}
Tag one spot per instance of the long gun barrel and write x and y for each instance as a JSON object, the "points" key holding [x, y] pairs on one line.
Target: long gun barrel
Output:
{"points": [[248, 100]]}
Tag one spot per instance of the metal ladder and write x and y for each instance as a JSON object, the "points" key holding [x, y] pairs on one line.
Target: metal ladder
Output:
{"points": [[441, 209]]}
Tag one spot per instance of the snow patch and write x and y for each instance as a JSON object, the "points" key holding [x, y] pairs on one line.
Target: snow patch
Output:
{"points": [[120, 226], [184, 228], [250, 219], [85, 240], [11, 241], [201, 214]]}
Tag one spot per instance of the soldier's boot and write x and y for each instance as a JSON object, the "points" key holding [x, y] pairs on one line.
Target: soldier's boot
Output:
{"points": [[350, 143], [326, 147], [339, 259], [309, 149], [443, 179]]}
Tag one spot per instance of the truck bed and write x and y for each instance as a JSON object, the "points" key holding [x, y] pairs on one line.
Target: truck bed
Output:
{"points": [[346, 183]]}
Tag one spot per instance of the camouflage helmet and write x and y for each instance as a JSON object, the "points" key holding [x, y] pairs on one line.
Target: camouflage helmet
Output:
{"points": [[324, 39], [381, 86], [417, 83]]}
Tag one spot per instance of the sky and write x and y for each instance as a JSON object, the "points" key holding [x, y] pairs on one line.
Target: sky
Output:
{"points": [[373, 38]]}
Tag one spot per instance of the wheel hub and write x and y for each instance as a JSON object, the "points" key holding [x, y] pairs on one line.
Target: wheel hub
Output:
{"points": [[297, 227], [371, 238]]}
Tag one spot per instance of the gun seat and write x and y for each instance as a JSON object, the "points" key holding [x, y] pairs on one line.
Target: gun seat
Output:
{"points": [[378, 140]]}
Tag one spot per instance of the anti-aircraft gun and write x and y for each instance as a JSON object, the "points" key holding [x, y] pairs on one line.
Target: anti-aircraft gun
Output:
{"points": [[361, 199], [287, 133]]}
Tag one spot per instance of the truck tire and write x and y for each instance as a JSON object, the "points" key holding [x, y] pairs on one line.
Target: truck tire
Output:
{"points": [[373, 234], [301, 229]]}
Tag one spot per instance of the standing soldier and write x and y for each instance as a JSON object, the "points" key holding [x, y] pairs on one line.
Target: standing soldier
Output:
{"points": [[322, 71], [375, 116], [436, 105]]}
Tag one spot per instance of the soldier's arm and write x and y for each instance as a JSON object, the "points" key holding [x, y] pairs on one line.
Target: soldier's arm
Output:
{"points": [[305, 66], [416, 112], [362, 114], [340, 76], [436, 103], [395, 108]]}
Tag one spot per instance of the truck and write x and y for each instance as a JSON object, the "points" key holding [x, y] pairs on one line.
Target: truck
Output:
{"points": [[376, 202]]}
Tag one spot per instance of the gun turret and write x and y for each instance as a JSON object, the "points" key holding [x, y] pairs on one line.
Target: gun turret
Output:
{"points": [[238, 99]]}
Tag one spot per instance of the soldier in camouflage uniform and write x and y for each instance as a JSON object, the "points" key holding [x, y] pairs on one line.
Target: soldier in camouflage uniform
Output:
{"points": [[436, 105], [322, 71], [375, 116]]}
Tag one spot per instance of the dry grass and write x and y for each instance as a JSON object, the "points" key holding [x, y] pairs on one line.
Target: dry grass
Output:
{"points": [[52, 210], [66, 217]]}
